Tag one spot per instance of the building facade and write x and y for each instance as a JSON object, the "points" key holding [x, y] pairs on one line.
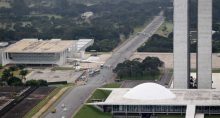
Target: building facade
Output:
{"points": [[43, 52], [187, 102]]}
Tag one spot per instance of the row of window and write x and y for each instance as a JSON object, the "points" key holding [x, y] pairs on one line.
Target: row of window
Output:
{"points": [[34, 57], [135, 108], [208, 109]]}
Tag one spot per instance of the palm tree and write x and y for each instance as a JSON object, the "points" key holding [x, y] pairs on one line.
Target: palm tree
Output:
{"points": [[23, 73]]}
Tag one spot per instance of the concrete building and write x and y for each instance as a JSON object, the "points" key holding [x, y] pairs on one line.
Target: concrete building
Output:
{"points": [[49, 52], [150, 98], [182, 44], [204, 54]]}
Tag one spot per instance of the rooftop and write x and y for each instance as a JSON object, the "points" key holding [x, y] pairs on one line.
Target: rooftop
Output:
{"points": [[82, 44], [183, 97], [39, 46], [155, 92], [3, 44]]}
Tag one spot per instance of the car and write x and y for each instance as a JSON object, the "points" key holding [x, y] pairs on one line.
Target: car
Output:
{"points": [[102, 66], [63, 105], [53, 110]]}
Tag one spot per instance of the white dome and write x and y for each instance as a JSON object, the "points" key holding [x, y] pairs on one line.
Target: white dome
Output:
{"points": [[149, 91]]}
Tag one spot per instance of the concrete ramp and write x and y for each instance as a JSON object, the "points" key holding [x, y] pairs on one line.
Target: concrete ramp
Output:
{"points": [[200, 115], [190, 111]]}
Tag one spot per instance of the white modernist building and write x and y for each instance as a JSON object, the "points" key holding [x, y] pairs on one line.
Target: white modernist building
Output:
{"points": [[151, 98], [182, 44], [52, 52]]}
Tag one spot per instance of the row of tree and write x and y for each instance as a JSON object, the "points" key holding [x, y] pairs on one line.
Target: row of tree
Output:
{"points": [[159, 43], [8, 78], [150, 67]]}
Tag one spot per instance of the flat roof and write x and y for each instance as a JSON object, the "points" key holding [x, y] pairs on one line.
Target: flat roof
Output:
{"points": [[82, 44], [197, 97], [39, 46]]}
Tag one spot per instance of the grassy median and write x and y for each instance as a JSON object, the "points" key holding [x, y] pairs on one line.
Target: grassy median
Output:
{"points": [[42, 103], [170, 116], [45, 101], [90, 111]]}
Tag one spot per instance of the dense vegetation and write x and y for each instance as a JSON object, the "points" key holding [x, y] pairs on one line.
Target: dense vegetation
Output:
{"points": [[112, 22], [15, 75], [149, 67], [160, 43], [157, 43]]}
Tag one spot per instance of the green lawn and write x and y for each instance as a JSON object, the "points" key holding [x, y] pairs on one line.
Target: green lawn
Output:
{"points": [[170, 116], [112, 85], [214, 70], [42, 103], [165, 29], [91, 112], [212, 116], [99, 94], [1, 73], [140, 28], [146, 77]]}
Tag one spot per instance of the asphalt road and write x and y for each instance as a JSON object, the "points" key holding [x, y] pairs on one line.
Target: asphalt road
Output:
{"points": [[75, 97], [166, 78]]}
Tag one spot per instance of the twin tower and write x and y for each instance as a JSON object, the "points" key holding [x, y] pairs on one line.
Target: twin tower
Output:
{"points": [[182, 22]]}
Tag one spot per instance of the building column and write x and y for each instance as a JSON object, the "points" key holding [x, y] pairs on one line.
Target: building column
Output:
{"points": [[204, 70], [181, 44]]}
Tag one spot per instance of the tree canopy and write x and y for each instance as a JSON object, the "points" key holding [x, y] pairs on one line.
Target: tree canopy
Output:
{"points": [[137, 68]]}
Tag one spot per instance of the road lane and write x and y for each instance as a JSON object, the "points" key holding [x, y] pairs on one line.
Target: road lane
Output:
{"points": [[76, 96]]}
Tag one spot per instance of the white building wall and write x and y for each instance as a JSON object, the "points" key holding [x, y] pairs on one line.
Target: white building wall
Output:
{"points": [[204, 44], [181, 47], [58, 58]]}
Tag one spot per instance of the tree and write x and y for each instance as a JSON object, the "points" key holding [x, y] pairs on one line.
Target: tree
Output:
{"points": [[12, 68], [135, 68], [6, 74], [21, 66], [14, 81], [36, 83], [23, 73], [21, 5]]}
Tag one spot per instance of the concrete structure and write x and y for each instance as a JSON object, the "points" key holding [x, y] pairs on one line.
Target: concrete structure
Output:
{"points": [[182, 44], [3, 44], [87, 15], [34, 51], [82, 44], [204, 57], [186, 101]]}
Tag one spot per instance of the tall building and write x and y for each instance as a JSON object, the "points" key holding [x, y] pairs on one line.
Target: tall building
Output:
{"points": [[182, 44]]}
